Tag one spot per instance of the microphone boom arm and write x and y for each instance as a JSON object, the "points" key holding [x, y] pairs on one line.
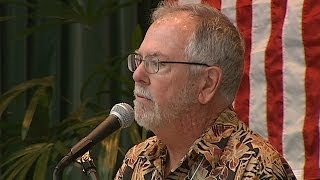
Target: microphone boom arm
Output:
{"points": [[121, 115]]}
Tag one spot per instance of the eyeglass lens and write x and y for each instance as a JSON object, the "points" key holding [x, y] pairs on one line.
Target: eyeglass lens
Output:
{"points": [[134, 60]]}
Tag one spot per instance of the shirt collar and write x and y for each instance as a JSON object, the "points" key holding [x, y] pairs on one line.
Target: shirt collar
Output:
{"points": [[213, 139]]}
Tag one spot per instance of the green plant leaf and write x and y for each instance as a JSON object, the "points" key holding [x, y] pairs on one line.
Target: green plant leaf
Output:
{"points": [[22, 160], [108, 156], [93, 121], [17, 3], [61, 148], [78, 6], [22, 165], [33, 160], [23, 152], [6, 18], [9, 141], [56, 9], [86, 84], [30, 111], [38, 28], [41, 165], [6, 99]]}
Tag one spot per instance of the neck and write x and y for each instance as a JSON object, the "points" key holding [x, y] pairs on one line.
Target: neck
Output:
{"points": [[178, 146], [181, 134]]}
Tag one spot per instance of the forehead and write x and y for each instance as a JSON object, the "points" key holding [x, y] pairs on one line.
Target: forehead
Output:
{"points": [[169, 35], [181, 18]]}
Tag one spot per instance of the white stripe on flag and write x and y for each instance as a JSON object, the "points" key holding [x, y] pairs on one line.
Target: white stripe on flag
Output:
{"points": [[293, 85], [261, 30], [228, 8]]}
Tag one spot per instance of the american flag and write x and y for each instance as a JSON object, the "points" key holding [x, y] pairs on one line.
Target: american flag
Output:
{"points": [[280, 92]]}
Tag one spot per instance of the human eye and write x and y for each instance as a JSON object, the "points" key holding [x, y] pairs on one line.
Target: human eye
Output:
{"points": [[162, 64], [151, 64], [137, 59]]}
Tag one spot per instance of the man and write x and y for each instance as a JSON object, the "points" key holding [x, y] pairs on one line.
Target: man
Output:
{"points": [[187, 72]]}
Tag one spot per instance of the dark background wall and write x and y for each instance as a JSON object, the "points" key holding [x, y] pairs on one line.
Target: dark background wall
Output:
{"points": [[84, 53]]}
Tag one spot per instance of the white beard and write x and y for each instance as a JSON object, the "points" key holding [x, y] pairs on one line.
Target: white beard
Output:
{"points": [[156, 116]]}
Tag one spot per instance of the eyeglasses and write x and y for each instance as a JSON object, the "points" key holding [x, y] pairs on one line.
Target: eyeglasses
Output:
{"points": [[152, 66]]}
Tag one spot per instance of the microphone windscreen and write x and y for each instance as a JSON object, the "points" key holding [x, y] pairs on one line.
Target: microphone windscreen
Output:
{"points": [[124, 113]]}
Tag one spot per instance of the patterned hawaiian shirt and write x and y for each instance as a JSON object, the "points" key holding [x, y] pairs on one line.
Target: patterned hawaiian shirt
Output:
{"points": [[227, 150]]}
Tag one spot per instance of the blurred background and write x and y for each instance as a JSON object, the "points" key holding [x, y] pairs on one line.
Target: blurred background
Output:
{"points": [[63, 67]]}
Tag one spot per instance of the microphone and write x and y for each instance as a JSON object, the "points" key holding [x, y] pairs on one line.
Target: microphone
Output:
{"points": [[121, 116]]}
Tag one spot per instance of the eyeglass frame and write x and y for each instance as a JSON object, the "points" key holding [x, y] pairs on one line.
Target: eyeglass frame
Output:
{"points": [[158, 62]]}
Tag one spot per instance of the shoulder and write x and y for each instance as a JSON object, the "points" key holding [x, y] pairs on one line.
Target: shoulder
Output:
{"points": [[252, 141], [256, 154]]}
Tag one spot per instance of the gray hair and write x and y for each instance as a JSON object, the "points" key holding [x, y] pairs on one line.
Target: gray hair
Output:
{"points": [[216, 42]]}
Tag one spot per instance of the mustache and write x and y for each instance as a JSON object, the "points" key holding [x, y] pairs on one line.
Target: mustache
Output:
{"points": [[142, 92]]}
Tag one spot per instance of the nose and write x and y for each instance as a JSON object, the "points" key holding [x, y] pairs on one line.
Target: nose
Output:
{"points": [[140, 75]]}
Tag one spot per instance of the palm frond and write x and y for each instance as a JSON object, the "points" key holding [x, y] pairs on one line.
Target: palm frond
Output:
{"points": [[108, 156], [20, 167], [22, 160], [6, 18], [7, 97], [31, 110], [40, 168]]}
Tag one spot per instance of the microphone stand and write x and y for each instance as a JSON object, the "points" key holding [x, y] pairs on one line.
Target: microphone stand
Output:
{"points": [[86, 162], [88, 166], [58, 170]]}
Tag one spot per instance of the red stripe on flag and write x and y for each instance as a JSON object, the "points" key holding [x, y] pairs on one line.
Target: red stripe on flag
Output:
{"points": [[213, 3], [311, 40], [244, 24], [273, 69]]}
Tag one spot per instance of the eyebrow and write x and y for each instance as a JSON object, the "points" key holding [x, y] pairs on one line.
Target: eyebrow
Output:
{"points": [[153, 54]]}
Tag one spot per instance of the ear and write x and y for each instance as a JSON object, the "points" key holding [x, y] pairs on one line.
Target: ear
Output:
{"points": [[210, 82]]}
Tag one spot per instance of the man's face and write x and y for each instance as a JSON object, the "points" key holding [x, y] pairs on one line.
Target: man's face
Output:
{"points": [[162, 98]]}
